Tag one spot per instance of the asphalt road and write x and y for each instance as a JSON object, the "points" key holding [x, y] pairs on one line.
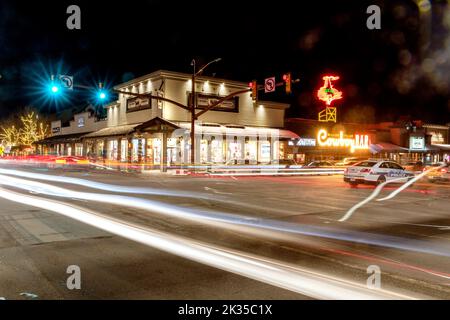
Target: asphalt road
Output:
{"points": [[293, 221]]}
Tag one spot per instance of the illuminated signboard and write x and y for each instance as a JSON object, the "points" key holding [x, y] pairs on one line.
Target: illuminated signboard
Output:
{"points": [[416, 143], [437, 138], [357, 142], [303, 142], [138, 103], [205, 100], [327, 92], [80, 122]]}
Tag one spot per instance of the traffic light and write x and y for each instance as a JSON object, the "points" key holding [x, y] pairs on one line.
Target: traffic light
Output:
{"points": [[101, 94], [287, 79], [254, 86], [54, 87]]}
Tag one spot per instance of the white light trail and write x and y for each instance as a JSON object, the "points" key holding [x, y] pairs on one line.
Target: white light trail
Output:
{"points": [[410, 182], [262, 227], [265, 270], [136, 190], [100, 185], [372, 196]]}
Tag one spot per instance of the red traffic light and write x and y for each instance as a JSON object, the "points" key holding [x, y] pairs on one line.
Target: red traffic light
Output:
{"points": [[285, 76], [250, 84]]}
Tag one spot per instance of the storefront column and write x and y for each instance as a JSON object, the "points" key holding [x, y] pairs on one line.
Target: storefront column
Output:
{"points": [[105, 149], [139, 150], [242, 157], [163, 165], [84, 152], [208, 150], [130, 150], [119, 149]]}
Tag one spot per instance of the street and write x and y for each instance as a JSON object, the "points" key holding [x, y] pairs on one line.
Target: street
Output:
{"points": [[291, 222]]}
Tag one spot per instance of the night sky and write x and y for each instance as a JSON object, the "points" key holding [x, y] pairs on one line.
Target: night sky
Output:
{"points": [[384, 73]]}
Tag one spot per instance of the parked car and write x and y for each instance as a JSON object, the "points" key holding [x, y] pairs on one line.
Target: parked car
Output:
{"points": [[438, 175], [287, 163], [349, 161], [376, 172], [414, 166], [319, 164]]}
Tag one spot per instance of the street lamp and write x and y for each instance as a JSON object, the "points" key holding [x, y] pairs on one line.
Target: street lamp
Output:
{"points": [[192, 102]]}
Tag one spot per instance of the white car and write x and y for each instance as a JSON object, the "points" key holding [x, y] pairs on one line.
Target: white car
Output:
{"points": [[376, 172]]}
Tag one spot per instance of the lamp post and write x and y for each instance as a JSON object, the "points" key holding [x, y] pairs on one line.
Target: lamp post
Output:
{"points": [[192, 104]]}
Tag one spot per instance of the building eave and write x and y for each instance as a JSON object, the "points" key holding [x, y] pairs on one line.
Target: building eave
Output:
{"points": [[166, 74]]}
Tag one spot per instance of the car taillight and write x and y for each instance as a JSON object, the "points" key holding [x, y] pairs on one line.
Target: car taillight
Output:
{"points": [[444, 170], [346, 170], [365, 170]]}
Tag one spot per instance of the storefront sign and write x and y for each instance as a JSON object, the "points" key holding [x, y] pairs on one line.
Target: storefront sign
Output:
{"points": [[357, 142], [56, 129], [437, 138], [204, 101], [171, 143], [416, 143], [138, 103], [80, 122], [303, 142]]}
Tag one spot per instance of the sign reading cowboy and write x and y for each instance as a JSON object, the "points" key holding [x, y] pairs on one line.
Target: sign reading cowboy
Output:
{"points": [[357, 142], [205, 100], [138, 103]]}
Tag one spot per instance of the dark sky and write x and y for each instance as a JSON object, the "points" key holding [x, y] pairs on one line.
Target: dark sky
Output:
{"points": [[384, 74]]}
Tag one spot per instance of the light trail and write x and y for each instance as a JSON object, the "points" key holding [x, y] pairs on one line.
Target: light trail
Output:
{"points": [[100, 185], [378, 189], [261, 227], [265, 270], [134, 190], [410, 182], [372, 196]]}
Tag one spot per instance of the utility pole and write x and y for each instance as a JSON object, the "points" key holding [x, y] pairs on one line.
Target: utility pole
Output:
{"points": [[193, 115], [193, 104]]}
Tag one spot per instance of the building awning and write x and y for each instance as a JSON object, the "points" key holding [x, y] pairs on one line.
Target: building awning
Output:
{"points": [[155, 125], [386, 147], [112, 131], [238, 130], [62, 138]]}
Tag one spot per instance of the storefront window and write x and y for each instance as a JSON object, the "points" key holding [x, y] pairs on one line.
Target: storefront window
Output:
{"points": [[78, 149], [156, 150], [264, 151], [112, 149], [204, 151], [217, 151], [234, 150], [137, 150], [251, 149], [123, 150], [100, 148]]}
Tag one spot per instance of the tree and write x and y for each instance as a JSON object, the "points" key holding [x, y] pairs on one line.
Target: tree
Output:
{"points": [[10, 135], [24, 128], [32, 130]]}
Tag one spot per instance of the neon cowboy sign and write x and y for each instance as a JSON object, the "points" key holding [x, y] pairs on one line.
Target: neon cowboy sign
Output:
{"points": [[357, 142]]}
